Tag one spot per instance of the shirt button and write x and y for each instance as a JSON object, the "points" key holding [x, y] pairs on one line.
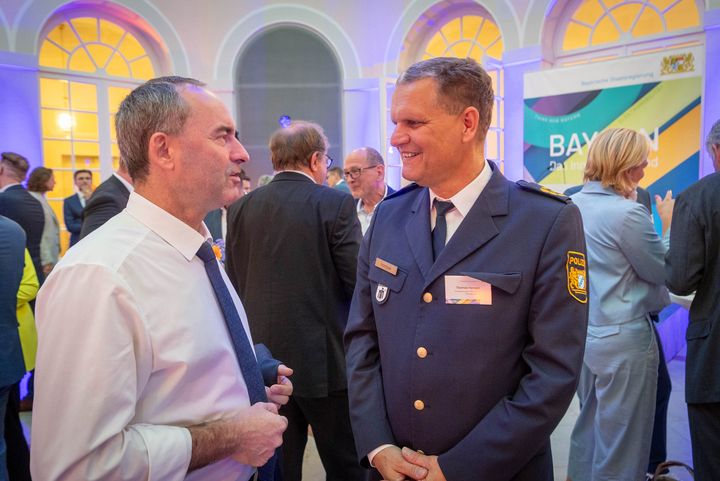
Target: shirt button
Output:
{"points": [[419, 405], [427, 297], [422, 352]]}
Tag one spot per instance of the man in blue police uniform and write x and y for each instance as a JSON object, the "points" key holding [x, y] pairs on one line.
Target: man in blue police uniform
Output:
{"points": [[467, 327]]}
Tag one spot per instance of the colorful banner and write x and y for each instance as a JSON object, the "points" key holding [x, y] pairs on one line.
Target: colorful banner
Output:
{"points": [[658, 95]]}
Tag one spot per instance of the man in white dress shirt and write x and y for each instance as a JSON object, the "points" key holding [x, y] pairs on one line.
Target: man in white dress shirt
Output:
{"points": [[365, 175], [145, 384]]}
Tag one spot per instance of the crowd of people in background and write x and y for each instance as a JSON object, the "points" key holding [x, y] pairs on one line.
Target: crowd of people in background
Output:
{"points": [[439, 332]]}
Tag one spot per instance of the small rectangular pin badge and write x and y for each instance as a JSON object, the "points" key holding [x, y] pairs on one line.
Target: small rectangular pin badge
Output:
{"points": [[386, 266]]}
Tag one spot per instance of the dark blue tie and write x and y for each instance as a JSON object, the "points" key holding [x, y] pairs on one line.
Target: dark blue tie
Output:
{"points": [[245, 356], [439, 233], [243, 351]]}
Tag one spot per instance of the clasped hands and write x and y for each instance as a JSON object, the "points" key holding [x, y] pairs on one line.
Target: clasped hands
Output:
{"points": [[395, 464]]}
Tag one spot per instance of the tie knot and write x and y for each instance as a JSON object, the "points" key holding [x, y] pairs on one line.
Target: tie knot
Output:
{"points": [[206, 253], [442, 207]]}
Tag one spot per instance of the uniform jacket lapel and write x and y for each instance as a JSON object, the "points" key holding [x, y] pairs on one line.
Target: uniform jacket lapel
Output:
{"points": [[417, 230], [476, 229]]}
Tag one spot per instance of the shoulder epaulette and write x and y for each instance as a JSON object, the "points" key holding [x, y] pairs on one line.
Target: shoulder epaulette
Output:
{"points": [[533, 187]]}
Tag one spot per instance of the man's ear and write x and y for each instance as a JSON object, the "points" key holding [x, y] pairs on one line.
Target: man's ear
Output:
{"points": [[315, 161], [160, 152], [471, 124]]}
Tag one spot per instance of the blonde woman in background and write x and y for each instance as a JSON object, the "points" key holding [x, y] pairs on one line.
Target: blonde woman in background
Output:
{"points": [[612, 435], [40, 182]]}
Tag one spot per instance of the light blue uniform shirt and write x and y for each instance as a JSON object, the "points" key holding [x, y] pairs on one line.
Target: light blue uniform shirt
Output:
{"points": [[626, 258]]}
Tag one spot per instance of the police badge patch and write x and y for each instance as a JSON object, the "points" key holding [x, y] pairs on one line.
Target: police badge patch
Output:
{"points": [[577, 276], [381, 294]]}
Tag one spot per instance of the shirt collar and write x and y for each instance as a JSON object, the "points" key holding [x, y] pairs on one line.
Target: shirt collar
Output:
{"points": [[360, 202], [301, 173], [127, 184], [8, 186], [168, 227], [465, 199]]}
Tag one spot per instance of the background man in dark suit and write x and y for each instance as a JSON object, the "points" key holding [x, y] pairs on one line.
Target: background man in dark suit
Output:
{"points": [[693, 264], [12, 366], [108, 200], [291, 254], [462, 358], [74, 205], [365, 175], [17, 204]]}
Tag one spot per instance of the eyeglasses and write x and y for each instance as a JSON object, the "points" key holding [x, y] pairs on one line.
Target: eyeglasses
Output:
{"points": [[329, 161], [355, 173]]}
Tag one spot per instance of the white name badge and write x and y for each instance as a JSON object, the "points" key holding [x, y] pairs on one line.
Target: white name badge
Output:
{"points": [[467, 290]]}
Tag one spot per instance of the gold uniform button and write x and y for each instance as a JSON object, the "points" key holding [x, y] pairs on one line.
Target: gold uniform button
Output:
{"points": [[422, 352], [427, 297], [419, 405]]}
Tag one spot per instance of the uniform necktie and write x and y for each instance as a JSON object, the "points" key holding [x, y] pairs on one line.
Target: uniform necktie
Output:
{"points": [[439, 233], [243, 350]]}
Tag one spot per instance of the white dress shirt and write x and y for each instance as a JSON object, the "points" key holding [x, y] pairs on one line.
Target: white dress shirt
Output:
{"points": [[462, 202], [133, 348], [366, 217]]}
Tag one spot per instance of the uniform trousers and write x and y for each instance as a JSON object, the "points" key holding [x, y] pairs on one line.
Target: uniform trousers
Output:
{"points": [[329, 418], [611, 438], [704, 422]]}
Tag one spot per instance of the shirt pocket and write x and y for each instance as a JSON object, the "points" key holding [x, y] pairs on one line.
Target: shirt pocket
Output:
{"points": [[600, 332], [508, 282]]}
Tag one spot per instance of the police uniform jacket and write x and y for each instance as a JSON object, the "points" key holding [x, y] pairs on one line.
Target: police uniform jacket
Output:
{"points": [[482, 386]]}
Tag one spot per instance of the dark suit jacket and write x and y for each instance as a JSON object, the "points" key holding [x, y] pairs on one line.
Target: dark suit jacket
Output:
{"points": [[292, 254], [693, 264], [12, 261], [108, 200], [73, 214], [493, 380], [17, 204]]}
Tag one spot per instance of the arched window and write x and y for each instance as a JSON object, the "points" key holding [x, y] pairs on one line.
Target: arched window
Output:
{"points": [[463, 31], [595, 30], [87, 66]]}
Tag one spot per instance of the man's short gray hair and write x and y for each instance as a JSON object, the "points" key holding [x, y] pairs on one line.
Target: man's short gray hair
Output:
{"points": [[713, 137], [461, 83], [155, 106], [373, 156]]}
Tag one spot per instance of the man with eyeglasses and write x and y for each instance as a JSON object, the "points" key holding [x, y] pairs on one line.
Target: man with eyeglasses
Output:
{"points": [[365, 175], [291, 253]]}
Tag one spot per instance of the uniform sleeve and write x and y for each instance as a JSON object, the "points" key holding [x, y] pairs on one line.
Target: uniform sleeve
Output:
{"points": [[685, 259], [93, 364], [556, 329], [368, 414], [344, 244], [642, 246]]}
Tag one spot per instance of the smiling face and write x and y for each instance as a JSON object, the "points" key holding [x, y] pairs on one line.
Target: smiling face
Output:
{"points": [[209, 155], [438, 149]]}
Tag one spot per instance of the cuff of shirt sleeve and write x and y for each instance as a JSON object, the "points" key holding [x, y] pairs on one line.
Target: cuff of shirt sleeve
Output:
{"points": [[169, 449], [374, 452]]}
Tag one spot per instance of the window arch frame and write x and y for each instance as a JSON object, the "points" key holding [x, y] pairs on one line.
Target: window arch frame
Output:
{"points": [[103, 84], [625, 46]]}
